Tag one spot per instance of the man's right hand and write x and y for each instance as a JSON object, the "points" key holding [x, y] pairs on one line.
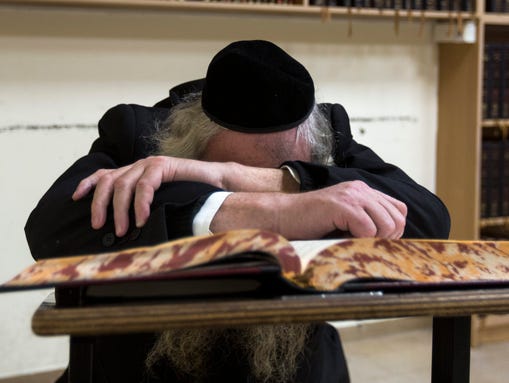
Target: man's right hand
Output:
{"points": [[351, 206]]}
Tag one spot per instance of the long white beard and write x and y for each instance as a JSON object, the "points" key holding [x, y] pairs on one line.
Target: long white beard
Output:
{"points": [[272, 351]]}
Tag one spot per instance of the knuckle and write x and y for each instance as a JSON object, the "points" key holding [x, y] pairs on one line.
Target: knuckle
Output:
{"points": [[100, 172], [107, 178], [404, 209], [103, 174], [120, 183], [366, 228], [155, 160], [389, 227], [354, 190], [143, 184], [369, 231], [357, 185]]}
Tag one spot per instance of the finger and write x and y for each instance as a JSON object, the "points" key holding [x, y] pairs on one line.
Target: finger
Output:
{"points": [[88, 184], [358, 222], [123, 189], [397, 210], [148, 183], [103, 181], [397, 217], [401, 206], [101, 199], [386, 215], [361, 224]]}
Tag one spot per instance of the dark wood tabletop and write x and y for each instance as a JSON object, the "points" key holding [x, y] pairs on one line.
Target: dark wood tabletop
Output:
{"points": [[50, 319]]}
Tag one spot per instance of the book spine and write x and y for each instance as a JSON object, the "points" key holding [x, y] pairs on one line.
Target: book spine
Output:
{"points": [[495, 83], [467, 5], [488, 83], [502, 82], [505, 83], [492, 164], [505, 178], [484, 180]]}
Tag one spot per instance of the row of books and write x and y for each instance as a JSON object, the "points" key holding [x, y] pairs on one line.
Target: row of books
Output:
{"points": [[496, 81], [494, 174], [428, 5]]}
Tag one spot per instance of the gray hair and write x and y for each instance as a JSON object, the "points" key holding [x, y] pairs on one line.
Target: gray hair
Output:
{"points": [[187, 131]]}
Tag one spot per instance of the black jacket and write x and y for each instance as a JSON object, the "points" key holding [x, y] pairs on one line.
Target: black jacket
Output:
{"points": [[59, 226]]}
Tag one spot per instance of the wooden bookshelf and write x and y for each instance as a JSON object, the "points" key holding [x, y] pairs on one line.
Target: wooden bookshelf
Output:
{"points": [[290, 7]]}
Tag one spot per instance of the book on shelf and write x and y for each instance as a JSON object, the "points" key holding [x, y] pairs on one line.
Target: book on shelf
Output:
{"points": [[494, 173], [496, 81], [261, 263], [497, 6]]}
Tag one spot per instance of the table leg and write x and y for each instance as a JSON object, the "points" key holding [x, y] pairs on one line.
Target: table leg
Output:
{"points": [[451, 350], [81, 359]]}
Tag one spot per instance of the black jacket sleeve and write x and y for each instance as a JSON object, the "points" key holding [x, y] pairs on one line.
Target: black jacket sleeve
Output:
{"points": [[59, 226], [427, 215]]}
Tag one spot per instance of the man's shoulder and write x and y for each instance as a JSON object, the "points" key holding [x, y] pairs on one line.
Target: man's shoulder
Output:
{"points": [[126, 131]]}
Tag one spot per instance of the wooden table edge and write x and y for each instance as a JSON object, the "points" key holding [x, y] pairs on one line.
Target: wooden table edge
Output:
{"points": [[158, 316]]}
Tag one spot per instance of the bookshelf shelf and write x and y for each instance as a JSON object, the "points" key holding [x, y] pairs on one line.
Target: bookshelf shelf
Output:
{"points": [[301, 7], [494, 221], [496, 123], [496, 18]]}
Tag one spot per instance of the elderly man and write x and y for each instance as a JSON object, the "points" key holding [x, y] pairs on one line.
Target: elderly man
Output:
{"points": [[247, 147]]}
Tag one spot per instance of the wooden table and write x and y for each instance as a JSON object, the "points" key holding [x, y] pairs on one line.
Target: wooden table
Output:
{"points": [[450, 310]]}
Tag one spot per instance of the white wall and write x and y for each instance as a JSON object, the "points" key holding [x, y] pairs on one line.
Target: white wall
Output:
{"points": [[61, 69]]}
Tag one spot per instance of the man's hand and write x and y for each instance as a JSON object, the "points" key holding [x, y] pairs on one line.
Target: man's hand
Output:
{"points": [[353, 207], [140, 181], [118, 186]]}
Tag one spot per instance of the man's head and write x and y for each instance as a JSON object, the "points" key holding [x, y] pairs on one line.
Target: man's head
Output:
{"points": [[257, 108], [256, 87]]}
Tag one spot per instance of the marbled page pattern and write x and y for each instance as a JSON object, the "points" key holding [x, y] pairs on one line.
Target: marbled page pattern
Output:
{"points": [[413, 260], [153, 261]]}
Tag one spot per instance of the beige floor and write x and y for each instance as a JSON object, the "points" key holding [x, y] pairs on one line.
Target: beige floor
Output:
{"points": [[389, 356], [396, 351]]}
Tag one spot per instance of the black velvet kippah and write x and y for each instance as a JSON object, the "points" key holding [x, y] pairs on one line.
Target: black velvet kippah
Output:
{"points": [[256, 87]]}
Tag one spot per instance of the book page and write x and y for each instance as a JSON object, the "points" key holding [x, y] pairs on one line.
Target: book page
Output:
{"points": [[307, 250]]}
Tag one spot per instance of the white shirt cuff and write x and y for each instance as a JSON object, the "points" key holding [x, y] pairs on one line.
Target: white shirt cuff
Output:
{"points": [[202, 220]]}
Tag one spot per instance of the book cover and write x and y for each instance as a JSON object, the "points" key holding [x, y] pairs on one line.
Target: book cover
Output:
{"points": [[321, 266]]}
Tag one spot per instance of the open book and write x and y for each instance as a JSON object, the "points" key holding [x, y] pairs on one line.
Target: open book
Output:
{"points": [[254, 260]]}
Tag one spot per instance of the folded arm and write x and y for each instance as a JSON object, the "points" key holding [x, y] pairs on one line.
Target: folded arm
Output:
{"points": [[427, 216], [261, 199]]}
